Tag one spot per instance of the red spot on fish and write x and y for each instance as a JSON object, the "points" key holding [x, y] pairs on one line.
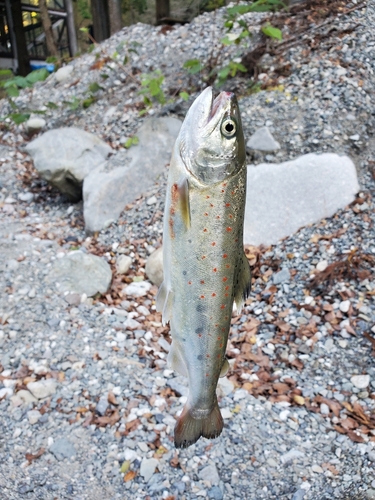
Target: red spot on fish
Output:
{"points": [[189, 282], [225, 279], [208, 356], [207, 197], [230, 216], [224, 184], [203, 256], [202, 282], [205, 214], [226, 317], [207, 375], [199, 335], [225, 256], [213, 243], [211, 205], [227, 294], [227, 204], [219, 338], [222, 306], [205, 230], [221, 345], [215, 269], [217, 324], [229, 229], [218, 216], [174, 193], [227, 266], [202, 296], [214, 294], [171, 228], [227, 287], [222, 191], [232, 192], [218, 356]]}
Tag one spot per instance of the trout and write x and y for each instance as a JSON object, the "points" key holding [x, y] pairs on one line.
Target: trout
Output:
{"points": [[206, 271]]}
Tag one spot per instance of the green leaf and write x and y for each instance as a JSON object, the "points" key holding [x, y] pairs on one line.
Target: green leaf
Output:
{"points": [[238, 10], [272, 32], [84, 30], [126, 60], [51, 105], [39, 75], [193, 66], [223, 73], [104, 76], [154, 87], [184, 96], [13, 91], [87, 102], [132, 141], [19, 118], [73, 105], [94, 87], [6, 72]]}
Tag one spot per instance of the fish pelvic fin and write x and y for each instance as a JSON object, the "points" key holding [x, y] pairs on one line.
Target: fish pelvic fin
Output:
{"points": [[189, 428], [243, 284], [164, 301], [176, 361], [224, 368]]}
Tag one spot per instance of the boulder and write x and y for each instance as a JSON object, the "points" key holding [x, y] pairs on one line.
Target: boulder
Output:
{"points": [[128, 174], [154, 267], [80, 273], [65, 156], [62, 74], [281, 198]]}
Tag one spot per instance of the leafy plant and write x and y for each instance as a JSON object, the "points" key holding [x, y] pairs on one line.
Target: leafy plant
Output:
{"points": [[193, 66], [131, 141], [14, 83], [151, 88]]}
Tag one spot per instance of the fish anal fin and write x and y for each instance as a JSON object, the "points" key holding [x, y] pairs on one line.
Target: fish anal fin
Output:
{"points": [[184, 202], [176, 361], [189, 429], [243, 284], [164, 301], [224, 368]]}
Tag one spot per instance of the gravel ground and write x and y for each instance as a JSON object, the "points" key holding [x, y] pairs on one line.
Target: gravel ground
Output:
{"points": [[299, 401]]}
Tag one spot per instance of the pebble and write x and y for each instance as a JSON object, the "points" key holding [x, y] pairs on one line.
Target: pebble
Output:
{"points": [[344, 306], [33, 416], [42, 388], [322, 265], [137, 288], [123, 263], [360, 381], [210, 474], [148, 467], [62, 448]]}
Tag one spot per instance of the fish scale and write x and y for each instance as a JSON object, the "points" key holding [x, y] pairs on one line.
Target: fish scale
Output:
{"points": [[205, 268]]}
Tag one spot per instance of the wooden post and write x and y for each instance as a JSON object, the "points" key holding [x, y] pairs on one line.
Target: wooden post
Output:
{"points": [[99, 10], [114, 14], [162, 10], [19, 49], [47, 28], [72, 34]]}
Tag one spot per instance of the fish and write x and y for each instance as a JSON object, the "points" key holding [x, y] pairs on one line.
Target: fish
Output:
{"points": [[206, 271]]}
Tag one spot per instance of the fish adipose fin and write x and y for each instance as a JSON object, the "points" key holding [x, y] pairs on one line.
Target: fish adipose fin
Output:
{"points": [[164, 301], [175, 360], [189, 429], [224, 368], [243, 284]]}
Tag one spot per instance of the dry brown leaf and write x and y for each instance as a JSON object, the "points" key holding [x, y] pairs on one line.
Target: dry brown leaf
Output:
{"points": [[30, 456], [355, 437], [112, 399], [129, 476], [331, 468]]}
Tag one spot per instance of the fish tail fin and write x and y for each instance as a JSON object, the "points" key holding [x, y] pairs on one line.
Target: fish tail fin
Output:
{"points": [[189, 429]]}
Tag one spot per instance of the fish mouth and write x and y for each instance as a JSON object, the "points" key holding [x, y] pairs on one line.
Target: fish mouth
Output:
{"points": [[220, 103]]}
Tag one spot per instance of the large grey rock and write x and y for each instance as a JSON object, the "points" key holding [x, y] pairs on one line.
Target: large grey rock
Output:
{"points": [[281, 198], [148, 467], [262, 140], [154, 267], [107, 190], [81, 272], [65, 156]]}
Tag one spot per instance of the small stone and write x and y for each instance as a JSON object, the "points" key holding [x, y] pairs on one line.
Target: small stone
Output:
{"points": [[354, 137], [63, 73], [322, 265], [360, 381], [328, 346], [62, 448], [271, 462], [317, 469], [299, 494], [143, 310], [291, 455], [123, 263], [138, 288], [262, 140], [215, 493], [226, 413], [210, 474], [164, 344], [152, 200], [26, 396], [148, 467], [225, 387], [5, 392], [102, 405], [35, 124], [33, 416], [344, 306], [154, 267], [73, 299], [370, 494], [324, 409], [282, 276], [26, 197], [42, 388]]}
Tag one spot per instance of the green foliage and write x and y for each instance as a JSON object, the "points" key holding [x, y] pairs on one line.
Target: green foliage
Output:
{"points": [[132, 141], [272, 32], [94, 87], [83, 9], [230, 70], [193, 66], [19, 118], [184, 95], [86, 103], [12, 84], [151, 88], [73, 104]]}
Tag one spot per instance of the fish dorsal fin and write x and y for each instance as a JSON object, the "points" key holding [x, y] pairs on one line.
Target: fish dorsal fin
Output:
{"points": [[184, 202], [224, 368], [164, 301], [243, 283], [175, 360]]}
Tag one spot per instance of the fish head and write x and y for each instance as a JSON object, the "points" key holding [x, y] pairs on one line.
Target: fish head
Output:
{"points": [[211, 141]]}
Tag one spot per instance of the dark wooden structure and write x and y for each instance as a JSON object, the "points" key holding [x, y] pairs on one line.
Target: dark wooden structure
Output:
{"points": [[22, 38]]}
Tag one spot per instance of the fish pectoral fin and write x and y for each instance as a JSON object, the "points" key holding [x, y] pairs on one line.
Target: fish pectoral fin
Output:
{"points": [[164, 301], [243, 284], [176, 361], [184, 202], [224, 368]]}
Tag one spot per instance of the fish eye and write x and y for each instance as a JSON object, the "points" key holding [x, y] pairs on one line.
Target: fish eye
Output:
{"points": [[228, 127]]}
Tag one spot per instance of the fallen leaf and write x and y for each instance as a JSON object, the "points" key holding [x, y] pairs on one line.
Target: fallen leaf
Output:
{"points": [[355, 437], [129, 476], [30, 457], [298, 399], [125, 466], [112, 399]]}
